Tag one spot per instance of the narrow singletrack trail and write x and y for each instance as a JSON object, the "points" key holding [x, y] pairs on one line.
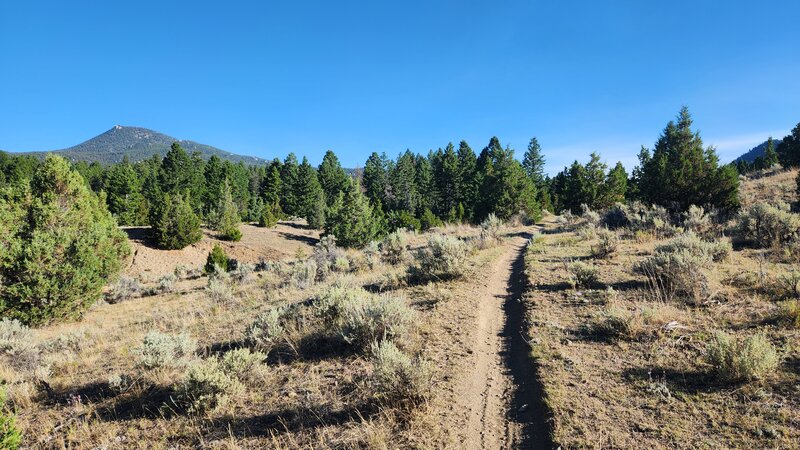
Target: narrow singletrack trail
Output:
{"points": [[501, 395]]}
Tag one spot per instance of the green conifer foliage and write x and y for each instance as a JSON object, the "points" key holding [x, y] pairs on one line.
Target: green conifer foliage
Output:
{"points": [[59, 246], [226, 215], [173, 223], [332, 177], [309, 191], [789, 149], [124, 197], [351, 219], [681, 172]]}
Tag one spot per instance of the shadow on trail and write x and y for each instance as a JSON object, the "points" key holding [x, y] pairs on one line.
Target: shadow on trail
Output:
{"points": [[528, 407]]}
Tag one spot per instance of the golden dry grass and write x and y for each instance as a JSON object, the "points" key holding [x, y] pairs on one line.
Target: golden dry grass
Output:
{"points": [[316, 397], [649, 385]]}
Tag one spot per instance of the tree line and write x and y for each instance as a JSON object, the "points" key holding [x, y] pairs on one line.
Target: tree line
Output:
{"points": [[178, 192], [60, 242], [174, 194]]}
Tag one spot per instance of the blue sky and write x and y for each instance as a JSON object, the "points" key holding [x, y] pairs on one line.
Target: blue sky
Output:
{"points": [[266, 78]]}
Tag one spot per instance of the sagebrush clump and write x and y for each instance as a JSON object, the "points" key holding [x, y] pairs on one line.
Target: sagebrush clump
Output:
{"points": [[789, 312], [329, 257], [680, 267], [164, 350], [303, 274], [242, 363], [615, 323], [766, 226], [443, 258], [267, 330], [695, 219], [746, 359], [368, 318], [166, 283], [206, 386], [582, 275], [219, 290], [124, 289], [398, 379], [393, 247], [490, 231], [638, 217], [18, 346], [607, 243]]}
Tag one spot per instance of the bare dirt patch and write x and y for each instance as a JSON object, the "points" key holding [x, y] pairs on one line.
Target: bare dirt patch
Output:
{"points": [[282, 242]]}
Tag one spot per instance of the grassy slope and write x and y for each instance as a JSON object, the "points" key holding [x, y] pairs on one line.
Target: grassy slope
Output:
{"points": [[653, 389], [316, 399]]}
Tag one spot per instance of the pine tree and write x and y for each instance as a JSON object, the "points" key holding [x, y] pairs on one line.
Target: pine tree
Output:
{"points": [[402, 181], [176, 170], [173, 222], [289, 182], [616, 185], [59, 246], [316, 216], [270, 189], [533, 163], [575, 189], [123, 194], [332, 177], [467, 183], [681, 172], [309, 191], [351, 219], [789, 149], [593, 187], [270, 214], [216, 174], [226, 216], [239, 180], [423, 181], [446, 176], [505, 187], [375, 177], [770, 155]]}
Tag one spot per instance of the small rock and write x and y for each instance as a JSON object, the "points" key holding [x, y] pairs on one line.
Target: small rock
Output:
{"points": [[523, 408]]}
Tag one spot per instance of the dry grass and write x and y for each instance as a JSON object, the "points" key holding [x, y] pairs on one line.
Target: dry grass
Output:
{"points": [[622, 371], [312, 390]]}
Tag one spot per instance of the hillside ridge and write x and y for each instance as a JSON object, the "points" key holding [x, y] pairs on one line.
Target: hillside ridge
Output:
{"points": [[139, 143]]}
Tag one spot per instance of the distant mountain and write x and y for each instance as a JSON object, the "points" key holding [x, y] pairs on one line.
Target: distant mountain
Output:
{"points": [[756, 151], [139, 143]]}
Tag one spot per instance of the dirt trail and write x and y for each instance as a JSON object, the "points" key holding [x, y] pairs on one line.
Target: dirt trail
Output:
{"points": [[503, 400]]}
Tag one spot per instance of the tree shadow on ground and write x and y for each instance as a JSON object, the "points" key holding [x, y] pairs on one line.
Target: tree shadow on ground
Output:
{"points": [[297, 226], [312, 347], [552, 287], [291, 420], [686, 381], [137, 403], [628, 285], [141, 236], [378, 287], [298, 237], [793, 363]]}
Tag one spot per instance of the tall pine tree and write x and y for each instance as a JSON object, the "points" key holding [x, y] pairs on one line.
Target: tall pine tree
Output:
{"points": [[681, 172], [332, 176]]}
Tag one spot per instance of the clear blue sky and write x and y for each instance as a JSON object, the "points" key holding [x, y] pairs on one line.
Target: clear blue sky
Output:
{"points": [[265, 78]]}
